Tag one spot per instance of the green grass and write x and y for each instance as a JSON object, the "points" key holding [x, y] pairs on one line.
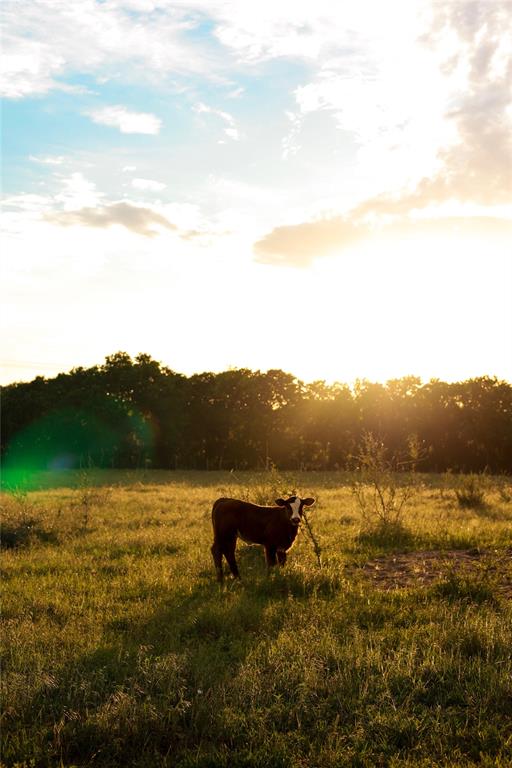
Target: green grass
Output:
{"points": [[119, 648]]}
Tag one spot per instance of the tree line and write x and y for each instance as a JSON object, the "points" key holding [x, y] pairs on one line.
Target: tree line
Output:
{"points": [[138, 413]]}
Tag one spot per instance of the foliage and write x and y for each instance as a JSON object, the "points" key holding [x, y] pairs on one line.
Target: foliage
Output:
{"points": [[89, 496], [136, 413], [380, 491], [471, 493], [19, 524]]}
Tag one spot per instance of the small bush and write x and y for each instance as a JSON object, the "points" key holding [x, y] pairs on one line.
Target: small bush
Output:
{"points": [[18, 522], [89, 497], [378, 487], [472, 493]]}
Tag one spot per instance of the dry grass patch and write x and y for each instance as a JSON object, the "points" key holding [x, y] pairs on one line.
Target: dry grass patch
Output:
{"points": [[413, 569]]}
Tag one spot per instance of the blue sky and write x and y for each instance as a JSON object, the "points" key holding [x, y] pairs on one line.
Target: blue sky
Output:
{"points": [[324, 188]]}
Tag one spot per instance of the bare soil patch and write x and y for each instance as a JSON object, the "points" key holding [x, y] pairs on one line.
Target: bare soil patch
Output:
{"points": [[415, 569]]}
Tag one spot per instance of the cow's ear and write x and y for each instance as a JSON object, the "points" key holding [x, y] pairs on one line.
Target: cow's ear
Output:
{"points": [[308, 502], [281, 502]]}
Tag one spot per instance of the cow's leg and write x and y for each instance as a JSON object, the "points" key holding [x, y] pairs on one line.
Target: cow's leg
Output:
{"points": [[228, 550], [217, 559], [270, 555], [281, 556]]}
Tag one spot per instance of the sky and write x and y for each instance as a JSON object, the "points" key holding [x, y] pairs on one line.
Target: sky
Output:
{"points": [[324, 188]]}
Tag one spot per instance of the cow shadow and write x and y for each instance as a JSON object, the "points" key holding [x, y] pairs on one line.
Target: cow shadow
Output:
{"points": [[158, 674], [207, 613]]}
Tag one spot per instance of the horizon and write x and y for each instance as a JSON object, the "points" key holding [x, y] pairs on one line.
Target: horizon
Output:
{"points": [[322, 190], [328, 382]]}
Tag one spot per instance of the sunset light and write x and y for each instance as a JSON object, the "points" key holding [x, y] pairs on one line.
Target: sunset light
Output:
{"points": [[320, 188], [256, 374]]}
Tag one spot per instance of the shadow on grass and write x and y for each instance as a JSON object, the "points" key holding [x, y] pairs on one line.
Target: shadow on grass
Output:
{"points": [[386, 537], [23, 533], [38, 479], [470, 588], [489, 512], [156, 688]]}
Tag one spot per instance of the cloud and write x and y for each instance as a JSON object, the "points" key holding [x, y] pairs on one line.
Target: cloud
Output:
{"points": [[148, 184], [477, 165], [77, 192], [449, 110], [300, 245], [141, 221], [138, 219], [472, 47], [141, 40], [149, 39], [50, 160], [231, 131], [288, 28], [28, 67], [126, 121]]}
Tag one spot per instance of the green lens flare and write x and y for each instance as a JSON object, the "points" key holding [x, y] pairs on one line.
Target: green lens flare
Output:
{"points": [[108, 433]]}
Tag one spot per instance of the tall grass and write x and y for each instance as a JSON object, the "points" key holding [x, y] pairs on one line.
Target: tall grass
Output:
{"points": [[119, 649]]}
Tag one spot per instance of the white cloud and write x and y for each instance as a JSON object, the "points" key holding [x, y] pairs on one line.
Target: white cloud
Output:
{"points": [[290, 144], [236, 93], [51, 39], [28, 67], [50, 160], [148, 184], [231, 131], [127, 122], [77, 192], [433, 132], [299, 29], [78, 203]]}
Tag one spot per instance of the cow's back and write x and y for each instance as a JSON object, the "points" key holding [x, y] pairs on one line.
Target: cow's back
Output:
{"points": [[235, 517]]}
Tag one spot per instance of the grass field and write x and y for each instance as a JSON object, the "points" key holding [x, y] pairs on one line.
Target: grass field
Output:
{"points": [[119, 648]]}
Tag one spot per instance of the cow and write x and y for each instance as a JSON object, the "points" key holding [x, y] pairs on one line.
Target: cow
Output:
{"points": [[275, 528]]}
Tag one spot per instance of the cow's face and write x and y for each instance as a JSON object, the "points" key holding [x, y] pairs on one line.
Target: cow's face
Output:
{"points": [[294, 505]]}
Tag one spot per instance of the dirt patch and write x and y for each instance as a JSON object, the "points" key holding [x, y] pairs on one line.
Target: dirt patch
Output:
{"points": [[416, 569]]}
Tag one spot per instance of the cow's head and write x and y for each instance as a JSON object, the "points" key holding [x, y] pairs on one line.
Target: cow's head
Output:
{"points": [[294, 505]]}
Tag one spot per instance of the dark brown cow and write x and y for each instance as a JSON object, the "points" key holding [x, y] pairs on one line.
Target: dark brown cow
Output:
{"points": [[275, 528]]}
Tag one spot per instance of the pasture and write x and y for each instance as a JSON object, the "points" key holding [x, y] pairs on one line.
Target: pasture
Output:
{"points": [[120, 649]]}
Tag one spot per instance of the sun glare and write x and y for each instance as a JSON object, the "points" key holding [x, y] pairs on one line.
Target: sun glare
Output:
{"points": [[389, 309], [353, 232]]}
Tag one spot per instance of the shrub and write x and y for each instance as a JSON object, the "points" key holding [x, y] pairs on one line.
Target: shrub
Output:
{"points": [[378, 485], [17, 519], [472, 492]]}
